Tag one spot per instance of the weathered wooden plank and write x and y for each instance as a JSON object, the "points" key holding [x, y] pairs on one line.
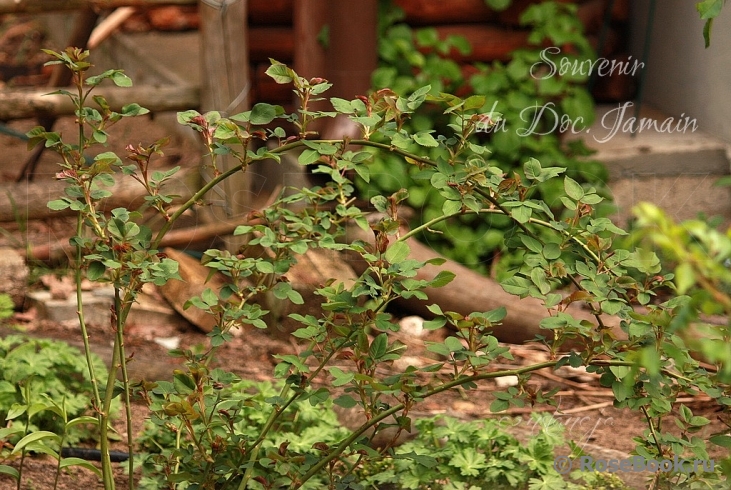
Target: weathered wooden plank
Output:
{"points": [[23, 104], [272, 12], [488, 42], [270, 42], [225, 87], [429, 12], [38, 6]]}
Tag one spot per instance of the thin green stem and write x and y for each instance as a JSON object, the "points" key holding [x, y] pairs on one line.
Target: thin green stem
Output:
{"points": [[106, 462], [121, 317], [652, 431], [104, 421]]}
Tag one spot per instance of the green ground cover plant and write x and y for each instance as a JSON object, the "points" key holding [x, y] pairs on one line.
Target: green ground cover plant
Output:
{"points": [[45, 400], [534, 110]]}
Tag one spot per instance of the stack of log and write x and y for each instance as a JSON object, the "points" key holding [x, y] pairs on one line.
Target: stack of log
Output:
{"points": [[493, 35]]}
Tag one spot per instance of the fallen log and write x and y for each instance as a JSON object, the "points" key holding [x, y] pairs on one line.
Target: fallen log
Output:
{"points": [[24, 104], [184, 238], [471, 291], [30, 201]]}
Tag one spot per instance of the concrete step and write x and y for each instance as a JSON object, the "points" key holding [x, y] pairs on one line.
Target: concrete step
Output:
{"points": [[668, 161]]}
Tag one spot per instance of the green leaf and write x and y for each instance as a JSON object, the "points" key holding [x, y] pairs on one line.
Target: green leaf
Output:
{"points": [[133, 109], [95, 271], [308, 156], [435, 324], [295, 297], [58, 204], [469, 462], [531, 243], [9, 470], [538, 276], [612, 307], [34, 437], [16, 410], [645, 261], [684, 277], [442, 279], [121, 80], [573, 189], [67, 462], [516, 285], [709, 9], [620, 371], [453, 344], [522, 214], [552, 251], [722, 440], [379, 346], [398, 252], [345, 401], [499, 405], [185, 117], [532, 169], [342, 105], [84, 419], [451, 207], [496, 315], [425, 139], [341, 377], [280, 72], [262, 113]]}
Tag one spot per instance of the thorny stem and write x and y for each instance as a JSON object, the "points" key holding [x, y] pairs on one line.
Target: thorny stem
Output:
{"points": [[652, 431], [275, 415]]}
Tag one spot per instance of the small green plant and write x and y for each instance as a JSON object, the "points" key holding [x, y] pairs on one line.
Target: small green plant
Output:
{"points": [[480, 455], [35, 370], [709, 10], [45, 400]]}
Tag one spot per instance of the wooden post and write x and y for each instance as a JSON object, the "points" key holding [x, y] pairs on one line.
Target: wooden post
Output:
{"points": [[310, 18], [352, 56], [225, 88]]}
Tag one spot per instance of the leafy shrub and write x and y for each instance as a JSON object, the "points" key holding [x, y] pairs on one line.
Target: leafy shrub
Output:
{"points": [[228, 414], [643, 357]]}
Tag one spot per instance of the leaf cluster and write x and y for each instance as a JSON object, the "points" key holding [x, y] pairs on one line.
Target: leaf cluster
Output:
{"points": [[525, 114]]}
